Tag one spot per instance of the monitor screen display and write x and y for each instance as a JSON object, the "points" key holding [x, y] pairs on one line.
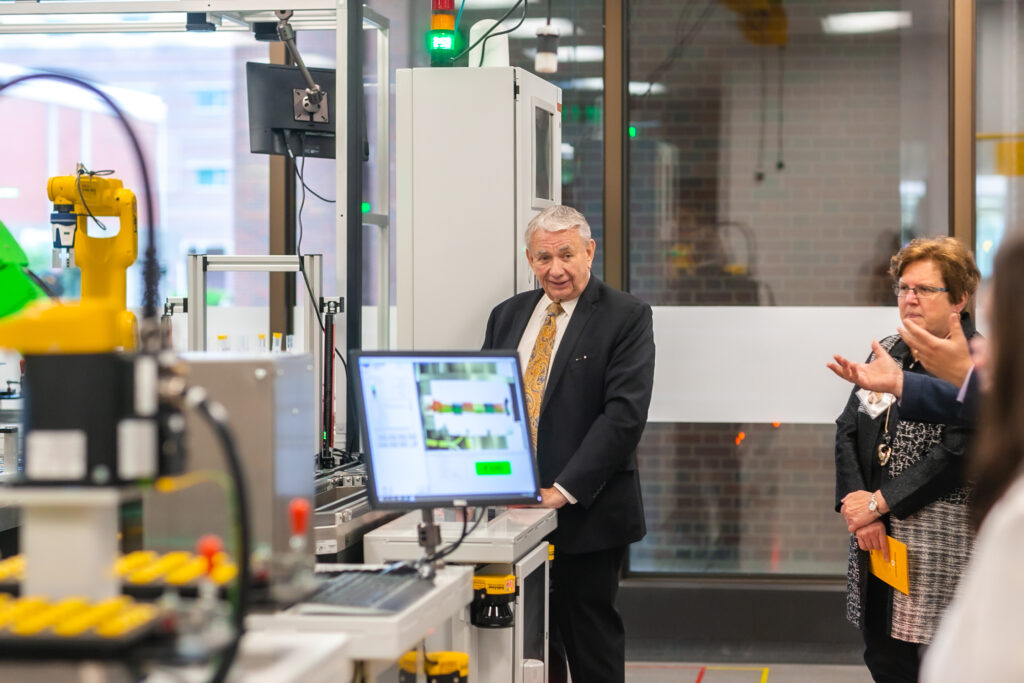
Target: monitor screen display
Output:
{"points": [[444, 429]]}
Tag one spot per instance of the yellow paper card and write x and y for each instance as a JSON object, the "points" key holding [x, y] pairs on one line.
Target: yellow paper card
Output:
{"points": [[894, 572]]}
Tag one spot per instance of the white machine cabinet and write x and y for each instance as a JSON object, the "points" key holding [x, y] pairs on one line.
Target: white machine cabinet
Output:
{"points": [[478, 155], [378, 641], [511, 543]]}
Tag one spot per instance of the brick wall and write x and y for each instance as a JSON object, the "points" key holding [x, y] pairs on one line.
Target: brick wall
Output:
{"points": [[763, 505], [858, 117]]}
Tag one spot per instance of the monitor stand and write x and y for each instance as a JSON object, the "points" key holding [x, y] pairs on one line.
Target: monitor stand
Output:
{"points": [[512, 543], [506, 538], [428, 532]]}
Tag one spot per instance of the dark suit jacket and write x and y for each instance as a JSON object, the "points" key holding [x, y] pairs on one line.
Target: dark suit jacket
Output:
{"points": [[593, 412], [930, 399]]}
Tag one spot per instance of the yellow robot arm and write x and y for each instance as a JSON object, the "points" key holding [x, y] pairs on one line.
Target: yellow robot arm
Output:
{"points": [[100, 322], [104, 261]]}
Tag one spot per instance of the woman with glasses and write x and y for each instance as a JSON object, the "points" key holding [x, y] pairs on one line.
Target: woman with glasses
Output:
{"points": [[905, 479]]}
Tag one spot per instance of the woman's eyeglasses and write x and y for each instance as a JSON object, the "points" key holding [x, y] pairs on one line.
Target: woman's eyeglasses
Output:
{"points": [[921, 291]]}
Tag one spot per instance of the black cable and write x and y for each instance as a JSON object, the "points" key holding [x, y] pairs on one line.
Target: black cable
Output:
{"points": [[302, 205], [445, 552], [151, 268], [483, 48], [298, 240], [779, 163], [216, 416], [300, 173], [763, 121], [78, 185], [681, 44], [426, 659], [350, 436], [302, 269], [488, 32], [684, 17], [41, 283]]}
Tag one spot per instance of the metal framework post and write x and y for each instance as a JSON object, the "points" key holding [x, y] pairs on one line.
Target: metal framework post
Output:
{"points": [[962, 65], [350, 154], [200, 264], [381, 206], [616, 152], [282, 222]]}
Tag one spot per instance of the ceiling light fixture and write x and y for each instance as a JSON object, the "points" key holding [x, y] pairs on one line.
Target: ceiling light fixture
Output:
{"points": [[546, 60], [865, 22]]}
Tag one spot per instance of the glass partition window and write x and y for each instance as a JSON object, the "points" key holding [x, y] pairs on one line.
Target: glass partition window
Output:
{"points": [[1000, 126], [778, 158], [739, 499]]}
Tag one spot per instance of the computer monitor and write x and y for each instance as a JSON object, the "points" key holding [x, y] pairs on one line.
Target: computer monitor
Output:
{"points": [[444, 429], [274, 118]]}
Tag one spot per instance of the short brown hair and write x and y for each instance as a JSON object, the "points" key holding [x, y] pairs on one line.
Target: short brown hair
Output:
{"points": [[955, 261]]}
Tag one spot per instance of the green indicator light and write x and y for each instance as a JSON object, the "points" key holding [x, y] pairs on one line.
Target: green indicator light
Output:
{"points": [[366, 207], [442, 44], [489, 468], [632, 131]]}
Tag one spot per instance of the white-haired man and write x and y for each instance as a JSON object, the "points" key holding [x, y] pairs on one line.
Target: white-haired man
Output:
{"points": [[587, 354]]}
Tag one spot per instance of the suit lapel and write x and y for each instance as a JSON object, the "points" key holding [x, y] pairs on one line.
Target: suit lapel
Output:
{"points": [[577, 323], [520, 321]]}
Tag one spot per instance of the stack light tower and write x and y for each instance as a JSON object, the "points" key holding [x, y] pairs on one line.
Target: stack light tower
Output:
{"points": [[443, 41]]}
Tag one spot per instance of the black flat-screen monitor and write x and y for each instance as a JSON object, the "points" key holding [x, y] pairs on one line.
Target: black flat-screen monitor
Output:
{"points": [[444, 429], [274, 118]]}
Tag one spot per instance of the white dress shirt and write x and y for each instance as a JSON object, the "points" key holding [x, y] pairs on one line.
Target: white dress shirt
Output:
{"points": [[529, 338], [961, 395]]}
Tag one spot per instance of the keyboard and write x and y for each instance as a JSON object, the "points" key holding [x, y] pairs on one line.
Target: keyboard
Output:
{"points": [[367, 592]]}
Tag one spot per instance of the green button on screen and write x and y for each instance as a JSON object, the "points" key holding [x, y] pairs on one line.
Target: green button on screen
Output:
{"points": [[500, 467]]}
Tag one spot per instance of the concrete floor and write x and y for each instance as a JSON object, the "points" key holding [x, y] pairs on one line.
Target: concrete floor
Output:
{"points": [[680, 672]]}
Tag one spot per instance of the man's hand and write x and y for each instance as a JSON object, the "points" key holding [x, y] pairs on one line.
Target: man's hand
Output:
{"points": [[551, 498], [881, 374], [947, 359], [855, 509], [872, 537]]}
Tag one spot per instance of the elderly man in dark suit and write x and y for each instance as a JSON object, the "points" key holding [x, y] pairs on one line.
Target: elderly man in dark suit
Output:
{"points": [[587, 353]]}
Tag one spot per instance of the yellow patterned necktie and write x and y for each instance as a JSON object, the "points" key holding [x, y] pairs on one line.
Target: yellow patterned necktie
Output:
{"points": [[536, 377]]}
